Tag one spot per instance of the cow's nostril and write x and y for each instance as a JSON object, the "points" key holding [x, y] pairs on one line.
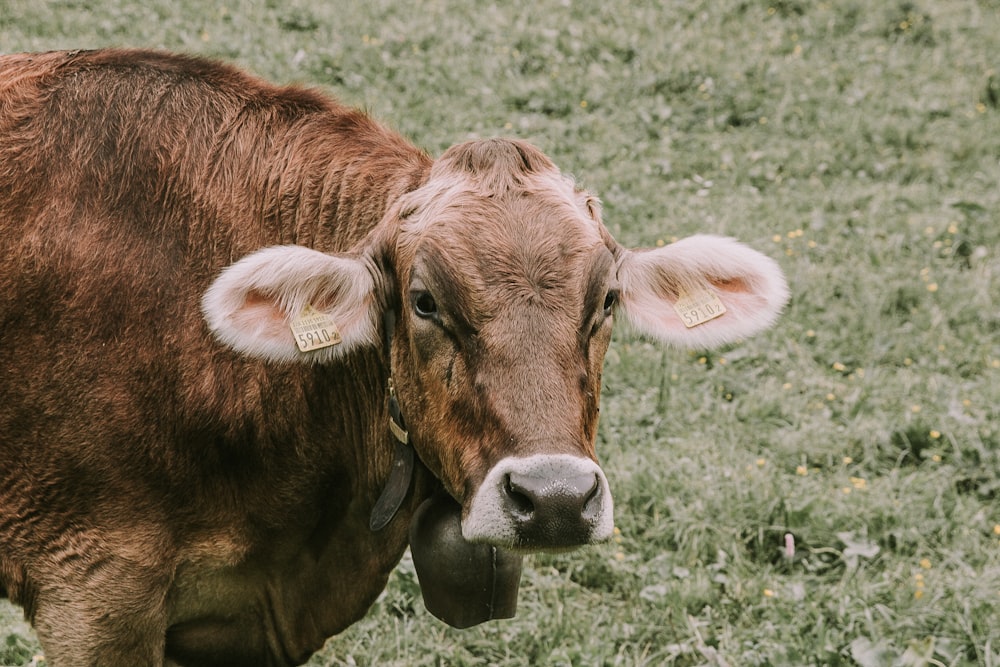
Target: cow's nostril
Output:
{"points": [[520, 498], [592, 499], [553, 510]]}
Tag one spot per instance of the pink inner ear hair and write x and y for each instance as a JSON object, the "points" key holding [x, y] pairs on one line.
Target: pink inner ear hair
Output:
{"points": [[256, 299], [731, 285], [259, 302]]}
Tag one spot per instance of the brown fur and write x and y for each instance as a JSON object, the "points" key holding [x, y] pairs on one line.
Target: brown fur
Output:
{"points": [[162, 495], [138, 448]]}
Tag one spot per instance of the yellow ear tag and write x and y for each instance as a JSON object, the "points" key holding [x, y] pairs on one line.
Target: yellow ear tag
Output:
{"points": [[699, 307], [314, 330]]}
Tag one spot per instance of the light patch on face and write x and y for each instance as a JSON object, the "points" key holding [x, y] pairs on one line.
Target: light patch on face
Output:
{"points": [[451, 195]]}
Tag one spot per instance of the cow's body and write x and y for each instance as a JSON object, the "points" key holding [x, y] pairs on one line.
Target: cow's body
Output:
{"points": [[196, 494], [127, 200]]}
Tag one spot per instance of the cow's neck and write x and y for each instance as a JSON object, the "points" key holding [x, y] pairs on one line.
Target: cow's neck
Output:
{"points": [[338, 207]]}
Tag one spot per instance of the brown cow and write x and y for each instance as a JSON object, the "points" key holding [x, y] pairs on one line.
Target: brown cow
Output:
{"points": [[182, 484]]}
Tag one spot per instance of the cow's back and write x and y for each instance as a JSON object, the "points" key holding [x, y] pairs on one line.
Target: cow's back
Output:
{"points": [[179, 151]]}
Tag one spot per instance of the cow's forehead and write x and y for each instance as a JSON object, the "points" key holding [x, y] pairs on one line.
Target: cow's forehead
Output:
{"points": [[497, 190], [531, 232], [451, 199], [455, 211], [498, 223]]}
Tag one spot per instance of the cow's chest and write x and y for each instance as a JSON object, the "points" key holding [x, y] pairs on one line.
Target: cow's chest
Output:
{"points": [[280, 603]]}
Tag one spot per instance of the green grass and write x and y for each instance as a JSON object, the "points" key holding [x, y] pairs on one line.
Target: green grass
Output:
{"points": [[856, 142]]}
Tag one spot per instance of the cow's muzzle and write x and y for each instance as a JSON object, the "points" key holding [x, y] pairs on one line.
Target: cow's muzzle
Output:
{"points": [[541, 502]]}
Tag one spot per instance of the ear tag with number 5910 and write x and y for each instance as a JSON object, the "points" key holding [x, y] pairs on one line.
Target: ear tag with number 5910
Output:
{"points": [[699, 307], [314, 330]]}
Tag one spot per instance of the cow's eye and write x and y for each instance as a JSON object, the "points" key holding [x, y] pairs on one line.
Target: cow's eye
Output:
{"points": [[609, 302], [424, 305]]}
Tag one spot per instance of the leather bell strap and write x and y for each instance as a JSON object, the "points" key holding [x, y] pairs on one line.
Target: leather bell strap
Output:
{"points": [[401, 472], [395, 489]]}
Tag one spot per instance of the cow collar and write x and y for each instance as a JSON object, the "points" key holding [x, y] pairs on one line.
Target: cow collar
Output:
{"points": [[401, 472]]}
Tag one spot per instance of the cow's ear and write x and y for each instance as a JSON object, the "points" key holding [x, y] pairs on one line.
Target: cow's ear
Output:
{"points": [[330, 300], [700, 292]]}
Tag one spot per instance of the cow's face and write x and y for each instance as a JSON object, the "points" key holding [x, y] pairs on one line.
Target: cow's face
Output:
{"points": [[505, 284], [506, 299]]}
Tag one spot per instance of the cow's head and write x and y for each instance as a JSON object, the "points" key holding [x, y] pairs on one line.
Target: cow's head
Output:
{"points": [[504, 283]]}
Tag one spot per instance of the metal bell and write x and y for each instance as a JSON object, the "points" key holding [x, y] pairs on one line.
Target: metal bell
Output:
{"points": [[462, 583]]}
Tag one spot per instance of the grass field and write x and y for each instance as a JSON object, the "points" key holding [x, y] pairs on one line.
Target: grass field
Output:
{"points": [[856, 142]]}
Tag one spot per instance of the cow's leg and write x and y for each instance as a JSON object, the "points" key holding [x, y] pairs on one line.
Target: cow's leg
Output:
{"points": [[113, 618]]}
